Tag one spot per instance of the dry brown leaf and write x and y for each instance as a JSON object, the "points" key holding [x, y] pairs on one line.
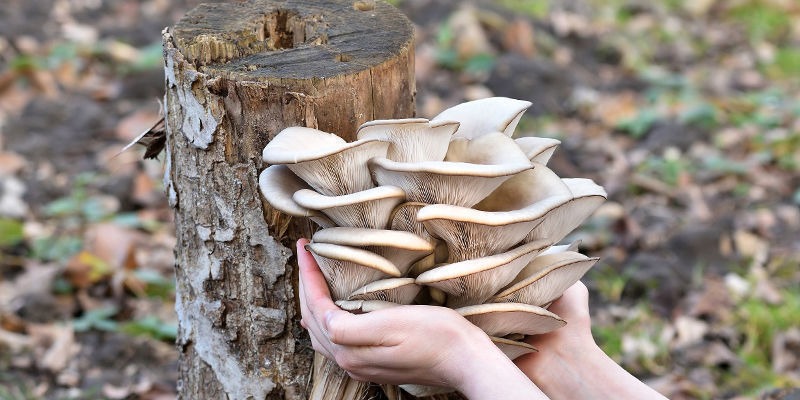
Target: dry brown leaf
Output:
{"points": [[11, 163], [519, 37], [58, 342], [688, 331]]}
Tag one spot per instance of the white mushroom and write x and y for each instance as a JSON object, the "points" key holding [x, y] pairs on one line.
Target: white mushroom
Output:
{"points": [[587, 196], [444, 182], [347, 268], [512, 348], [538, 149], [369, 208], [504, 218], [395, 290], [399, 247], [411, 140], [479, 117], [525, 190], [325, 161], [501, 319], [474, 281], [404, 218], [494, 148], [574, 246], [364, 306], [546, 278], [278, 184], [471, 233]]}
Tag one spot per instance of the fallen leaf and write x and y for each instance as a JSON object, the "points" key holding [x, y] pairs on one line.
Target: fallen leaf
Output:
{"points": [[688, 331]]}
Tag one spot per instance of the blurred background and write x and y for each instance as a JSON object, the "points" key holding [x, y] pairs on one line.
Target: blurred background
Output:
{"points": [[688, 112]]}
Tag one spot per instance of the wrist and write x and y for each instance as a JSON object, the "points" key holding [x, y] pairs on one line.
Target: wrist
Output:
{"points": [[487, 373]]}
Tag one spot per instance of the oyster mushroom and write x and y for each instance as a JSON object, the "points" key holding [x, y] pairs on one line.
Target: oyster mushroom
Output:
{"points": [[323, 160], [369, 208], [525, 190], [538, 149], [411, 140], [364, 306], [479, 117], [504, 218], [471, 233], [512, 348], [444, 182], [347, 268], [501, 319], [586, 197], [399, 247], [546, 278], [474, 281], [493, 148], [395, 290], [277, 184]]}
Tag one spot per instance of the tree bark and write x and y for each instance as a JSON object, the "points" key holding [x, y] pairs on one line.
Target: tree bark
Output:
{"points": [[236, 75]]}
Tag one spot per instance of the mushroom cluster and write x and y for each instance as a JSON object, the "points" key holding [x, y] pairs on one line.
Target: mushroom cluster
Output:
{"points": [[451, 211]]}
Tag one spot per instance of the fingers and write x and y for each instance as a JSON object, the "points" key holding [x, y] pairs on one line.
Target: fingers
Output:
{"points": [[376, 328], [574, 301], [314, 289], [315, 300]]}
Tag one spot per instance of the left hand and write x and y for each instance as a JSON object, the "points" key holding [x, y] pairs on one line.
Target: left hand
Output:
{"points": [[406, 344]]}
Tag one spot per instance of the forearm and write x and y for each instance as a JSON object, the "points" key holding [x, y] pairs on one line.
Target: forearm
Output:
{"points": [[488, 374], [586, 374]]}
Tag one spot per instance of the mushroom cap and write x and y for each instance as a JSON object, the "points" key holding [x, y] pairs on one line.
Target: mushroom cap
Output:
{"points": [[512, 348], [494, 148], [587, 196], [298, 144], [369, 208], [399, 247], [444, 182], [348, 268], [574, 246], [364, 306], [471, 233], [411, 140], [278, 184], [395, 290], [501, 319], [323, 160], [525, 189], [538, 149], [474, 281], [479, 117], [546, 278]]}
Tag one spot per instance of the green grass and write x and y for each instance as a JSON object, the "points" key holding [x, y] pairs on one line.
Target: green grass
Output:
{"points": [[761, 20], [531, 8], [667, 170], [10, 232], [640, 324], [759, 322]]}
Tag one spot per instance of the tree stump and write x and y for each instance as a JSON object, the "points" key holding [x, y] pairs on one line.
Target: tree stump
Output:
{"points": [[236, 75]]}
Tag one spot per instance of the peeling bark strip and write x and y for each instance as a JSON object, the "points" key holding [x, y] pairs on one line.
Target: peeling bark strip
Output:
{"points": [[236, 75]]}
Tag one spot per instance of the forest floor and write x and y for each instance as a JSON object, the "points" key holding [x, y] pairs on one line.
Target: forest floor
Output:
{"points": [[688, 113]]}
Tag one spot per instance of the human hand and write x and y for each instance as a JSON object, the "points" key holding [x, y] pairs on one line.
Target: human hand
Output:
{"points": [[570, 365], [407, 344]]}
